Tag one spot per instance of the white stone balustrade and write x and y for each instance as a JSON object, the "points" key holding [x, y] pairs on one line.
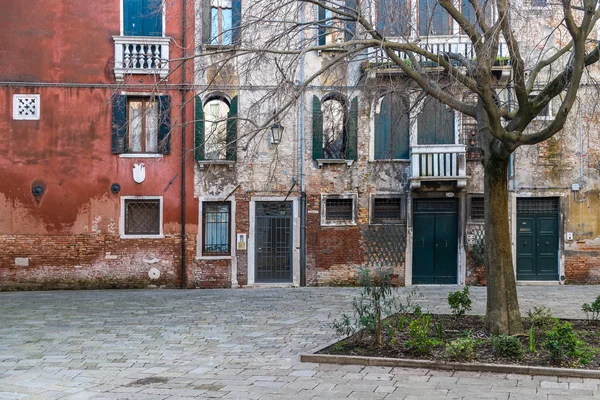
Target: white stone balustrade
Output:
{"points": [[141, 55], [442, 162]]}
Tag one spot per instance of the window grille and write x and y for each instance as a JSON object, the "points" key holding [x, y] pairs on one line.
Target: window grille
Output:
{"points": [[477, 209], [387, 210], [216, 233], [142, 217], [338, 210], [26, 106], [538, 206]]}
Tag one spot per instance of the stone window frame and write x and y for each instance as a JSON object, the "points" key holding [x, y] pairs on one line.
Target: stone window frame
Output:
{"points": [[403, 200], [124, 235], [326, 222], [232, 228], [470, 209], [35, 98]]}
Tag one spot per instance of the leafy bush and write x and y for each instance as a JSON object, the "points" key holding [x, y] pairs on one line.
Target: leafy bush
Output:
{"points": [[460, 349], [562, 344], [508, 346], [419, 331], [460, 302], [541, 317], [592, 311]]}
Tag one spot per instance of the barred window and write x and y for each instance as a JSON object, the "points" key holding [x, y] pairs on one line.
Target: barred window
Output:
{"points": [[142, 217], [477, 209], [387, 210], [216, 228], [339, 209]]}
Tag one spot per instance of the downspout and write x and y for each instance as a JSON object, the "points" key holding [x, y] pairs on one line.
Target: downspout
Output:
{"points": [[183, 139], [302, 164]]}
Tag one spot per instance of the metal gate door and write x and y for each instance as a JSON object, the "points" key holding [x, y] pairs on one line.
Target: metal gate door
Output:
{"points": [[273, 249], [537, 239], [435, 241]]}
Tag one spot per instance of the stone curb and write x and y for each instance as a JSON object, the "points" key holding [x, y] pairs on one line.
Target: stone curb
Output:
{"points": [[407, 363]]}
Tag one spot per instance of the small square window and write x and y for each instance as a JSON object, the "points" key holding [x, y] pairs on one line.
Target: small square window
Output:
{"points": [[142, 217], [216, 231], [142, 126], [26, 106], [387, 210], [477, 209], [338, 210]]}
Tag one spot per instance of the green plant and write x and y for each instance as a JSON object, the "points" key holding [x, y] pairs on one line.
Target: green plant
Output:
{"points": [[439, 330], [420, 340], [508, 346], [532, 348], [375, 300], [460, 349], [541, 317], [562, 343], [460, 302], [592, 311]]}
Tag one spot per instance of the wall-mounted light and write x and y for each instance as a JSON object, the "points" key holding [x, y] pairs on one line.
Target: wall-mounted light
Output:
{"points": [[276, 132]]}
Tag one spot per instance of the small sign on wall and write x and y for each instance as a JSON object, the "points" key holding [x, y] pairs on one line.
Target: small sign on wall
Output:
{"points": [[241, 241]]}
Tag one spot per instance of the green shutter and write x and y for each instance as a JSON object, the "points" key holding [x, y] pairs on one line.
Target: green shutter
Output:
{"points": [[322, 26], [119, 124], [231, 151], [133, 17], [317, 129], [164, 124], [152, 18], [206, 21], [383, 125], [352, 7], [236, 21], [199, 129], [352, 153]]}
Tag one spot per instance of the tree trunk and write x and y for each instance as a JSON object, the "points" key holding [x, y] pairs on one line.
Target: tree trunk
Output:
{"points": [[502, 312]]}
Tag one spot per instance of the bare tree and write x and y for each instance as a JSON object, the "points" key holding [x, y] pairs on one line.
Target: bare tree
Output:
{"points": [[269, 46]]}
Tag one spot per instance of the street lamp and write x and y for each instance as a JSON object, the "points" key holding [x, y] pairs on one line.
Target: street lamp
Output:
{"points": [[276, 132]]}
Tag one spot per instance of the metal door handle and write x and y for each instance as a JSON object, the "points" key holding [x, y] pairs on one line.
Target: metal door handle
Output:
{"points": [[423, 244], [547, 243], [446, 243]]}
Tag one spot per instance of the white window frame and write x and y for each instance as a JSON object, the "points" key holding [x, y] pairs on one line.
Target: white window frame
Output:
{"points": [[232, 235], [326, 222], [122, 233], [16, 115], [403, 211], [122, 23]]}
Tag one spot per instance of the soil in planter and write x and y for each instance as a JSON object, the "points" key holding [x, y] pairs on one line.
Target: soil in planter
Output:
{"points": [[453, 327]]}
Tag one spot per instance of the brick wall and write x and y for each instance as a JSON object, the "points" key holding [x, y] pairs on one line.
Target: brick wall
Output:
{"points": [[582, 263]]}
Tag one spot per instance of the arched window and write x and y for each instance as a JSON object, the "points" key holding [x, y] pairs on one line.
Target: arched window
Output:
{"points": [[392, 127], [215, 128], [435, 122]]}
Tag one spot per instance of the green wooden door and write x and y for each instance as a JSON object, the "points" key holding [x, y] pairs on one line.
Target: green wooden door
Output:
{"points": [[435, 241], [537, 239]]}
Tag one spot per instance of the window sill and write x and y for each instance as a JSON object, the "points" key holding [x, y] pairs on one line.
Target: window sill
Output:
{"points": [[323, 161], [390, 160], [204, 163], [142, 236], [208, 46], [140, 155], [213, 258], [338, 224]]}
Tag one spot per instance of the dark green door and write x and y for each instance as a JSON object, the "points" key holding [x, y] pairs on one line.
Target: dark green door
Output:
{"points": [[537, 239], [435, 226]]}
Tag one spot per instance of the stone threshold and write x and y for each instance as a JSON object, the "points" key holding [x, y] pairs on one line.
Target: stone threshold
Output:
{"points": [[443, 365]]}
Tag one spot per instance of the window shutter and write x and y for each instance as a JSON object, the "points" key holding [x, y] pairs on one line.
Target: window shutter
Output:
{"points": [[199, 129], [382, 12], [322, 26], [231, 151], [132, 18], [206, 21], [317, 129], [353, 131], [164, 124], [382, 130], [152, 18], [352, 7], [236, 21], [119, 124]]}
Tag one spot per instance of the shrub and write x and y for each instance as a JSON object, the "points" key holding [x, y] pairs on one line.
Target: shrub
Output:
{"points": [[541, 317], [508, 346], [460, 349], [419, 331], [460, 302], [592, 311], [562, 344]]}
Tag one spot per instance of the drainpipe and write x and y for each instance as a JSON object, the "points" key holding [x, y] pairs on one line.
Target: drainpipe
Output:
{"points": [[302, 164], [183, 127]]}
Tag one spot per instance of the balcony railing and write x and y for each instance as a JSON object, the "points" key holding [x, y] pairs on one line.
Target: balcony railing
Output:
{"points": [[458, 44], [141, 55], [442, 162]]}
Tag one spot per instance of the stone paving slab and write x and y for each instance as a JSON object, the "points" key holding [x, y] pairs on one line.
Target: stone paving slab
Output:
{"points": [[233, 344]]}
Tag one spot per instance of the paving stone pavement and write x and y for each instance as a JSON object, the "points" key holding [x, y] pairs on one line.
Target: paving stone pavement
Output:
{"points": [[233, 344]]}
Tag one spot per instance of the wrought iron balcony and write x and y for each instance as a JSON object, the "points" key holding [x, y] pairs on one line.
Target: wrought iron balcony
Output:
{"points": [[441, 162], [141, 55]]}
